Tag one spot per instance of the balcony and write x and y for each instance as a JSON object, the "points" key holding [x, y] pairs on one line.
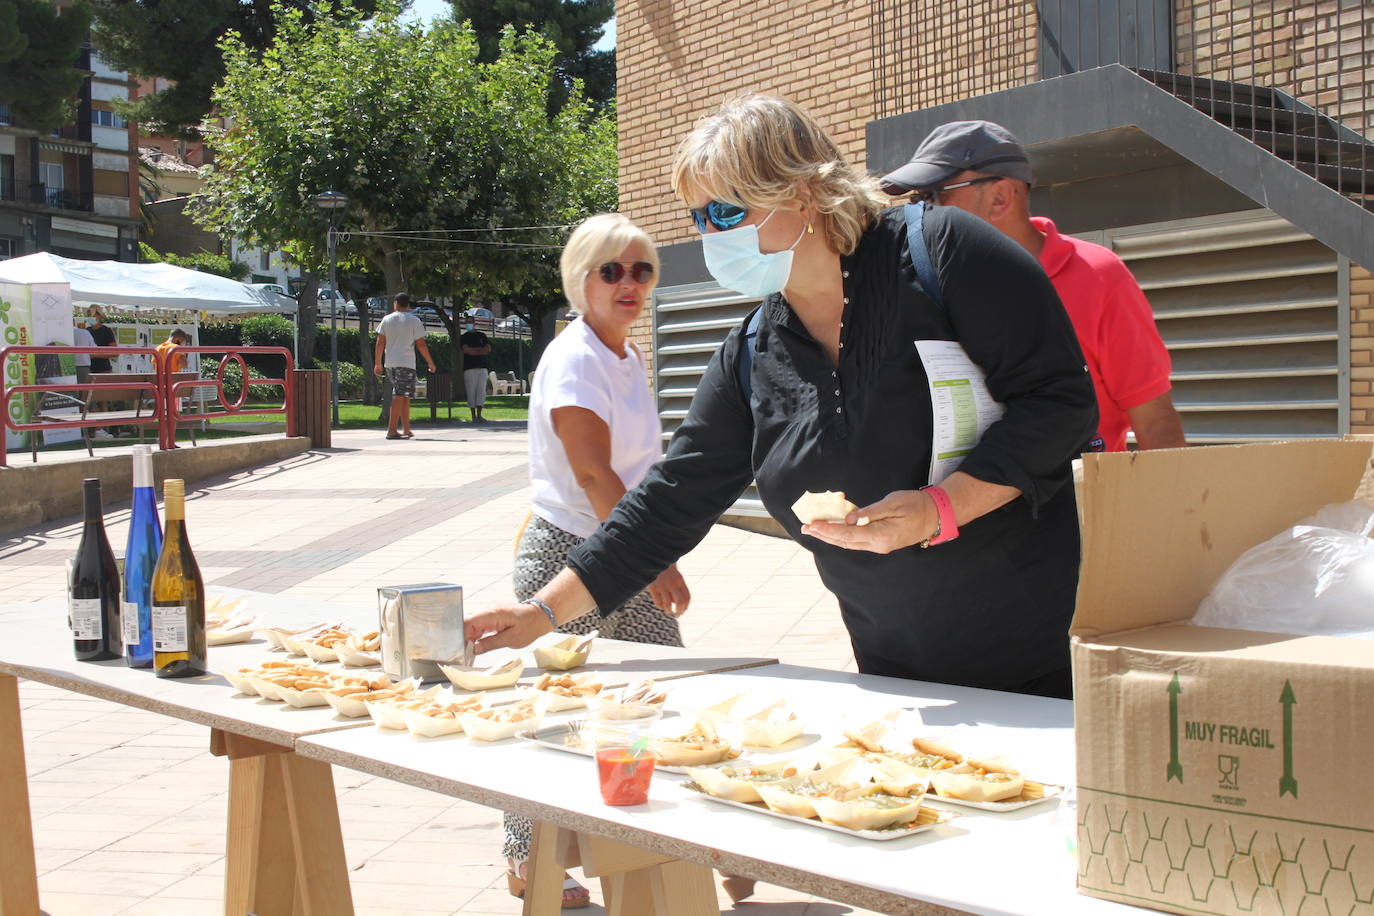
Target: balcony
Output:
{"points": [[37, 193]]}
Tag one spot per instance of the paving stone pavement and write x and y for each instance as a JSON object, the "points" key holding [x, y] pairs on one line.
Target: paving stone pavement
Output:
{"points": [[129, 806]]}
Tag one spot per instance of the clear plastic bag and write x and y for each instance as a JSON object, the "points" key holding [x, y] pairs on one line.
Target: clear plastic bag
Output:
{"points": [[1315, 579]]}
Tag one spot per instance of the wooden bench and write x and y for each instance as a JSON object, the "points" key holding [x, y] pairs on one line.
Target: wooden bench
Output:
{"points": [[142, 413]]}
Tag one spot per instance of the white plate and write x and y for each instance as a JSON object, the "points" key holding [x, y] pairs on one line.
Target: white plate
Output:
{"points": [[927, 819], [1011, 804]]}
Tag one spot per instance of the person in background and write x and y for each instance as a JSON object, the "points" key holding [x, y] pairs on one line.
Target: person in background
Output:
{"points": [[103, 337], [476, 348], [594, 432], [82, 338], [178, 338], [399, 335], [980, 167]]}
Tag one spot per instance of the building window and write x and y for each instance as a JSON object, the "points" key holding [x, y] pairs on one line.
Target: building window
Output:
{"points": [[265, 260], [7, 188], [106, 119], [8, 247], [53, 180], [5, 113]]}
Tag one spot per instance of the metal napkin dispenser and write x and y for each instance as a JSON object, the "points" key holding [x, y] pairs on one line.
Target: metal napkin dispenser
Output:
{"points": [[421, 625]]}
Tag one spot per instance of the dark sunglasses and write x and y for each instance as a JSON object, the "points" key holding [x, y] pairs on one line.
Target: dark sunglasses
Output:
{"points": [[932, 195], [613, 272], [720, 215]]}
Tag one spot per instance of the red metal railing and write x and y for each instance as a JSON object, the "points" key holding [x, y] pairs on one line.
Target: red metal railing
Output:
{"points": [[165, 389]]}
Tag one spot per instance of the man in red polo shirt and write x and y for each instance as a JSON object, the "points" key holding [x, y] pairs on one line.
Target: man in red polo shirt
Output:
{"points": [[980, 167]]}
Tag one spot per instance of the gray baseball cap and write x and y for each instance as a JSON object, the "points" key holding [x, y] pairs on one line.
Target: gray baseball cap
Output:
{"points": [[961, 146]]}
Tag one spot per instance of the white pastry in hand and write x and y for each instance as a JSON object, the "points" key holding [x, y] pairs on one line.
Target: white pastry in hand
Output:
{"points": [[830, 506]]}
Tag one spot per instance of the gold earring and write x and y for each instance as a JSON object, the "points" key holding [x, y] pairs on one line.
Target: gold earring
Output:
{"points": [[809, 230]]}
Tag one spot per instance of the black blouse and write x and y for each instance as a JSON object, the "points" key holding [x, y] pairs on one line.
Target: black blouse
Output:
{"points": [[990, 609]]}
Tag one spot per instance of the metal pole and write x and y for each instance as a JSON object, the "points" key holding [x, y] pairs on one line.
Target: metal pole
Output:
{"points": [[333, 327]]}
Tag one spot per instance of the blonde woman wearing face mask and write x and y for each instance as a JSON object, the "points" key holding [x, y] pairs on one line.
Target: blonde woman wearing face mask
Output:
{"points": [[594, 432], [834, 394]]}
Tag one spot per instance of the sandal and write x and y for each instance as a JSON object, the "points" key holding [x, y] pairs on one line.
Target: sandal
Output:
{"points": [[575, 896], [407, 435]]}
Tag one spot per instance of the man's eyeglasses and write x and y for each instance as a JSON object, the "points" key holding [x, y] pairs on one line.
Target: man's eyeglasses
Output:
{"points": [[932, 195], [719, 214], [612, 272]]}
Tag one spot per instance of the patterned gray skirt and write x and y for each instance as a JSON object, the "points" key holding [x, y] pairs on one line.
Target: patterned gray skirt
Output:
{"points": [[542, 554]]}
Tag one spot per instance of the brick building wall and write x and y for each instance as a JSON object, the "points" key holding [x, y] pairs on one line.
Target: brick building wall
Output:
{"points": [[1361, 350]]}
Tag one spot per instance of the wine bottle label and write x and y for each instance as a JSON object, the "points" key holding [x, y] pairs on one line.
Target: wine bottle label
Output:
{"points": [[169, 629], [129, 623], [85, 618]]}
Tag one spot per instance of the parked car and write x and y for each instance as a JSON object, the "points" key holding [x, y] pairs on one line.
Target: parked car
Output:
{"points": [[332, 302], [512, 323], [273, 288], [429, 315]]}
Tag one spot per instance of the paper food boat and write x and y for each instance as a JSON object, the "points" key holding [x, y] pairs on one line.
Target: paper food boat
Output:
{"points": [[741, 784], [353, 658], [354, 705], [501, 722], [494, 678], [390, 713], [565, 654], [302, 699], [564, 692], [443, 715]]}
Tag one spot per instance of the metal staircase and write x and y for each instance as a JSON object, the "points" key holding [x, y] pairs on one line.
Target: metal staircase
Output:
{"points": [[1302, 136]]}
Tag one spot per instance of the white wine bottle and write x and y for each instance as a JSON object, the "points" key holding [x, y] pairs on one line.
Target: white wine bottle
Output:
{"points": [[178, 595]]}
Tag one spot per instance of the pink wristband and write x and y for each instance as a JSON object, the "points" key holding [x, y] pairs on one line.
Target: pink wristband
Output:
{"points": [[944, 510]]}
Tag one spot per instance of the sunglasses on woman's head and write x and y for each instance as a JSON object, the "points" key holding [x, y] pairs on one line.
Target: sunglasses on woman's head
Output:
{"points": [[719, 214], [613, 272]]}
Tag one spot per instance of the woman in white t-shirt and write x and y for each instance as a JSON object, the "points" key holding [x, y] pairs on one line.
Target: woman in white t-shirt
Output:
{"points": [[594, 432]]}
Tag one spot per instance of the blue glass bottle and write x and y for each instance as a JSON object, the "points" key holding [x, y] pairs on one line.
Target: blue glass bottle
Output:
{"points": [[140, 559]]}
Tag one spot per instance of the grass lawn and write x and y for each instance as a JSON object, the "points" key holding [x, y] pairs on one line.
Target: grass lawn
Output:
{"points": [[354, 415]]}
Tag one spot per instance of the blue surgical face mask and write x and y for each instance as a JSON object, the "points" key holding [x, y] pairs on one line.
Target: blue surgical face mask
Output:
{"points": [[734, 259]]}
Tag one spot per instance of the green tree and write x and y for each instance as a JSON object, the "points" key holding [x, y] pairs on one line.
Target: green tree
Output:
{"points": [[574, 27], [39, 45], [204, 261], [179, 40], [439, 153]]}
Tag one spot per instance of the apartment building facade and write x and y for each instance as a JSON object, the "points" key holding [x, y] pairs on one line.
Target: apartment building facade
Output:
{"points": [[1221, 148], [73, 192]]}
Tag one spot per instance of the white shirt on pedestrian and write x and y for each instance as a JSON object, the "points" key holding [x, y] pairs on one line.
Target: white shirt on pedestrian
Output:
{"points": [[578, 370], [401, 329], [82, 338]]}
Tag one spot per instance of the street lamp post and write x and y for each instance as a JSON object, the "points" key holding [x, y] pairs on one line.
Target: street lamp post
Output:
{"points": [[333, 204]]}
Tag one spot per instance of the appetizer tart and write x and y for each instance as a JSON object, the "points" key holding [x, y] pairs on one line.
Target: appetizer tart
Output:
{"points": [[565, 654], [742, 783], [360, 650], [699, 747], [638, 703], [493, 678], [441, 716], [389, 712], [979, 781], [500, 722], [350, 700], [565, 691], [826, 506], [874, 736], [866, 809]]}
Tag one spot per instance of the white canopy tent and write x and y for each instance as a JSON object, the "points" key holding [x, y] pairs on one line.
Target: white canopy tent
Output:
{"points": [[143, 286]]}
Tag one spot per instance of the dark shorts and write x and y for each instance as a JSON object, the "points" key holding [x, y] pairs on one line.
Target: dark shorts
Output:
{"points": [[402, 381]]}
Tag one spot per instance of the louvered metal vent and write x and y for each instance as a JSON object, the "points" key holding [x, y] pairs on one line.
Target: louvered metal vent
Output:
{"points": [[690, 322], [1252, 311]]}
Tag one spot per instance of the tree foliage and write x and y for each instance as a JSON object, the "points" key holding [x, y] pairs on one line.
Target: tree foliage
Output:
{"points": [[574, 27], [203, 261], [438, 152], [39, 45], [179, 40]]}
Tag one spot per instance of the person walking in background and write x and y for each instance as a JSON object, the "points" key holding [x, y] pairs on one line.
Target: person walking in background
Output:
{"points": [[399, 335], [476, 347], [82, 338], [594, 432], [103, 337], [980, 167]]}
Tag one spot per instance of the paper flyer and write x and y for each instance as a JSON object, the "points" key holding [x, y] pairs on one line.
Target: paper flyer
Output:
{"points": [[961, 406]]}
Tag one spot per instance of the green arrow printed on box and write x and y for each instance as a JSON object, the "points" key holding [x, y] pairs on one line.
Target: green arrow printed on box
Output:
{"points": [[1175, 769], [1287, 784]]}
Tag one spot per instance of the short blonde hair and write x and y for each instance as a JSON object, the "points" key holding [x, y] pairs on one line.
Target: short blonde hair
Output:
{"points": [[595, 241], [765, 151]]}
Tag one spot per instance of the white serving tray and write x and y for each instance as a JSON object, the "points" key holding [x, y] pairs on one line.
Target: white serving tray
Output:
{"points": [[927, 819]]}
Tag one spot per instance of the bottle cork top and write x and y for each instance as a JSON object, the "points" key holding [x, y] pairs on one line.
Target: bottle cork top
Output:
{"points": [[173, 486]]}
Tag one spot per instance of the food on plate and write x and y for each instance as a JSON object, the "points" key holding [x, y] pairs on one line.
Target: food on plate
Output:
{"points": [[979, 781], [565, 654], [500, 722], [741, 783], [929, 755], [350, 700], [828, 506], [442, 715], [225, 624], [360, 650], [846, 782], [321, 648], [699, 746], [639, 702], [390, 711], [493, 678], [867, 809], [283, 638], [269, 682], [772, 726], [565, 691]]}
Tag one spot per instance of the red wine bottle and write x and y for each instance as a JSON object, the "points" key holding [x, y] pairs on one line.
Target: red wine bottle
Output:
{"points": [[93, 597]]}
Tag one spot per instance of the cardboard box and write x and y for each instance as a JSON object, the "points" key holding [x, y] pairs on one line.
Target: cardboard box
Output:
{"points": [[1219, 771]]}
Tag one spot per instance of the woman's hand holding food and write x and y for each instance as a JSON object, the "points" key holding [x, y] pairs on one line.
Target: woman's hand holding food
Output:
{"points": [[511, 626], [670, 592], [899, 519]]}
